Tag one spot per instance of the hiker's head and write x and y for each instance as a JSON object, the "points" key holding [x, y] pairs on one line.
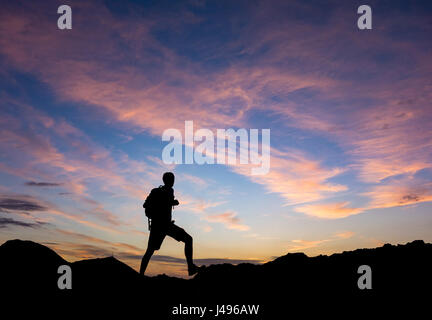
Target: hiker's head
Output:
{"points": [[168, 179]]}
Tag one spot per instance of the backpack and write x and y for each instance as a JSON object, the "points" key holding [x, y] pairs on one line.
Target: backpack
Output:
{"points": [[152, 202]]}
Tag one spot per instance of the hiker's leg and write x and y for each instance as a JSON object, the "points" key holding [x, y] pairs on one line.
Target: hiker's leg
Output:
{"points": [[188, 250], [180, 235], [145, 260], [154, 243], [192, 268]]}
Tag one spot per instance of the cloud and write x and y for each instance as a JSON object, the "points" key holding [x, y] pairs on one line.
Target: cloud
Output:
{"points": [[117, 245], [228, 219], [20, 203], [198, 206], [296, 177], [42, 184], [77, 246], [300, 245], [335, 210], [401, 192], [196, 181], [207, 228], [7, 222], [345, 235], [79, 251], [36, 208], [391, 140], [201, 207]]}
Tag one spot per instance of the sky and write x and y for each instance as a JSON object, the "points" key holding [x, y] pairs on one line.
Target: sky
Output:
{"points": [[82, 113]]}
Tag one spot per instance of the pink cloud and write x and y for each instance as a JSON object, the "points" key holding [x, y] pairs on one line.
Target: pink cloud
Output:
{"points": [[228, 219], [296, 177], [345, 234], [335, 210], [301, 245], [400, 193]]}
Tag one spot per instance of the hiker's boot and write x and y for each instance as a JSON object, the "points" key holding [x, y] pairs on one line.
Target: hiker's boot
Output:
{"points": [[194, 269]]}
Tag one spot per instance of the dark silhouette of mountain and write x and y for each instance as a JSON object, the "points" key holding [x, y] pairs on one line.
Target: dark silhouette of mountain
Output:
{"points": [[101, 274], [293, 280], [26, 264]]}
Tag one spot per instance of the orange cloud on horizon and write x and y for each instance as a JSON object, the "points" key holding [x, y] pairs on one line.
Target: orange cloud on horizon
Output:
{"points": [[334, 210]]}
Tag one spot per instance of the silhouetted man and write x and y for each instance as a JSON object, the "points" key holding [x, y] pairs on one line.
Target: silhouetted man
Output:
{"points": [[158, 207]]}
